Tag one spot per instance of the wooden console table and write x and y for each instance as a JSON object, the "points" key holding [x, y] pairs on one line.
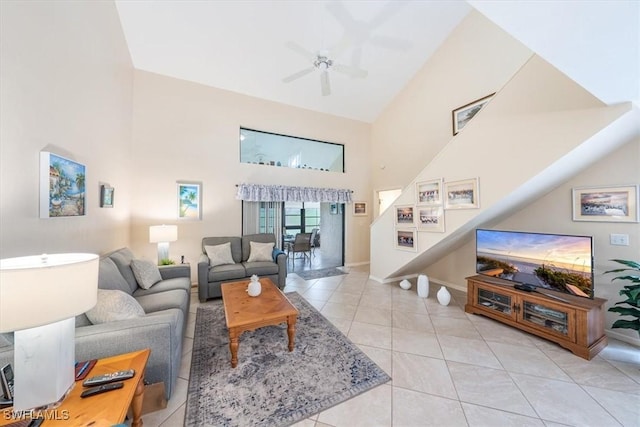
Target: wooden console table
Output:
{"points": [[104, 409], [575, 323]]}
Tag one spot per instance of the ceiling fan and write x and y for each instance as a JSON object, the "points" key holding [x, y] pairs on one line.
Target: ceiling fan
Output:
{"points": [[322, 62]]}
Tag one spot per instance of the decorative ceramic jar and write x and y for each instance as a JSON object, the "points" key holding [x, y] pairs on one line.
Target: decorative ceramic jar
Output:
{"points": [[405, 284], [423, 286], [255, 288], [444, 297]]}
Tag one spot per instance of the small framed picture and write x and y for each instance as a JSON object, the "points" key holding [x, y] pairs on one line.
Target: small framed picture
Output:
{"points": [[606, 204], [430, 218], [106, 196], [462, 194], [404, 215], [462, 115], [189, 200], [359, 208], [406, 239], [429, 192]]}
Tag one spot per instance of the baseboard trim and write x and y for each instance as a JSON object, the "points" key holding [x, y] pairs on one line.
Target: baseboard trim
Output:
{"points": [[356, 264], [621, 337]]}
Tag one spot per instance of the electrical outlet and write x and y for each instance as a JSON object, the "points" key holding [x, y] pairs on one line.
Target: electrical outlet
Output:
{"points": [[619, 239]]}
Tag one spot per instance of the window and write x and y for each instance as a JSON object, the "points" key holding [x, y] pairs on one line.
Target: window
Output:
{"points": [[301, 217], [271, 149]]}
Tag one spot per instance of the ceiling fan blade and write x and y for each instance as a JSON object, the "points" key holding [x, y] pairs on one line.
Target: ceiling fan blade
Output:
{"points": [[341, 14], [300, 50], [297, 75], [356, 56], [387, 11], [325, 85], [390, 42], [354, 72]]}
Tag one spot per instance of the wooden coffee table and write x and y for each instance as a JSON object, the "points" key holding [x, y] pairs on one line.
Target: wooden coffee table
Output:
{"points": [[245, 313], [104, 409]]}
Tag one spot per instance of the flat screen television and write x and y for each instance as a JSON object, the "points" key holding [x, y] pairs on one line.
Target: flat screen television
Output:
{"points": [[556, 262]]}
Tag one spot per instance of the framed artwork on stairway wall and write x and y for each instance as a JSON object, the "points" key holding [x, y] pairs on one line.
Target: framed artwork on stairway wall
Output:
{"points": [[430, 218], [406, 239], [462, 194], [462, 115], [404, 215], [429, 192]]}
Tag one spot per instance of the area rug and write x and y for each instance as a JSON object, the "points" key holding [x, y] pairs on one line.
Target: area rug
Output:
{"points": [[272, 386], [320, 273]]}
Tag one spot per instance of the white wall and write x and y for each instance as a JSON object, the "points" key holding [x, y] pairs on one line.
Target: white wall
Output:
{"points": [[187, 131], [66, 86]]}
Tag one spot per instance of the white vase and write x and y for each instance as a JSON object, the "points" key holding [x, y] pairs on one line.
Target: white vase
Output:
{"points": [[405, 284], [444, 297], [423, 286], [255, 288]]}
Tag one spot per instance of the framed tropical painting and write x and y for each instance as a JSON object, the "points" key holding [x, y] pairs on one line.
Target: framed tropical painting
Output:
{"points": [[189, 200], [62, 186]]}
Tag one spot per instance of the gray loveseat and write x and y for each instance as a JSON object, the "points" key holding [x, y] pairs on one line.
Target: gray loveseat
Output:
{"points": [[211, 277], [161, 328]]}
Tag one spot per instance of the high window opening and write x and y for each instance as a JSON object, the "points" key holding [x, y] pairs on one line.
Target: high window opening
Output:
{"points": [[265, 148]]}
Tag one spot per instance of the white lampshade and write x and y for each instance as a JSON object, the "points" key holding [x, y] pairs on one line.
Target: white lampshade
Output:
{"points": [[42, 289], [163, 233], [39, 299]]}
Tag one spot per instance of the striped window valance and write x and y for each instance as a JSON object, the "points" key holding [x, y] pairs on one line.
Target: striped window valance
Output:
{"points": [[283, 193]]}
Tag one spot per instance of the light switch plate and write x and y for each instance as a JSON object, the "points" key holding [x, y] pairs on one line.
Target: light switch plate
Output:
{"points": [[619, 239]]}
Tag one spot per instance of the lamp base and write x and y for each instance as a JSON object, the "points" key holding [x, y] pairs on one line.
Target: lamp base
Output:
{"points": [[163, 251], [44, 360]]}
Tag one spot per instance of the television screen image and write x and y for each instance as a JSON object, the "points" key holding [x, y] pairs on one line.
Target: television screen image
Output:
{"points": [[556, 262]]}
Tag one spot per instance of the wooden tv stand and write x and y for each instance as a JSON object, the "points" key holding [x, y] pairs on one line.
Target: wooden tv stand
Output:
{"points": [[575, 323]]}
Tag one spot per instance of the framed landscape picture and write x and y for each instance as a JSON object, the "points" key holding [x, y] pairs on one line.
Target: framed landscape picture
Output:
{"points": [[106, 196], [360, 208], [462, 115], [62, 186], [430, 218], [429, 192], [606, 204], [404, 215], [189, 200], [462, 194], [406, 239]]}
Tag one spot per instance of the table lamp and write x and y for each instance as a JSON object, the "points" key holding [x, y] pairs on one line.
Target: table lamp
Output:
{"points": [[162, 235], [39, 299]]}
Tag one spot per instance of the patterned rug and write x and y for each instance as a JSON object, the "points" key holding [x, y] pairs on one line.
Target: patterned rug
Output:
{"points": [[272, 386], [317, 274]]}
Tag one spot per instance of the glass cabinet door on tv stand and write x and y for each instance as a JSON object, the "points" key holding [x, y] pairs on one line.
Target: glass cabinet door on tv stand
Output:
{"points": [[500, 302], [554, 320]]}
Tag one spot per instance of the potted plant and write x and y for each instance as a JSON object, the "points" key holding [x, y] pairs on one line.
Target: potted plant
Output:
{"points": [[632, 292]]}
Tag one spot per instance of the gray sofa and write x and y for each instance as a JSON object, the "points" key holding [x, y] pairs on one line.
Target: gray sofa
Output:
{"points": [[210, 278], [162, 328]]}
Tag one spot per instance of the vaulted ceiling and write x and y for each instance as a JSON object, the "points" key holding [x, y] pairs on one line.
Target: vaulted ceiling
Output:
{"points": [[250, 46]]}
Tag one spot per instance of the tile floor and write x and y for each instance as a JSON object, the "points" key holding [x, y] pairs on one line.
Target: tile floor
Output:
{"points": [[450, 368]]}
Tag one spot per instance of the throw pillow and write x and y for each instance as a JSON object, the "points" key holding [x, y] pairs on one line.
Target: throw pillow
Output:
{"points": [[219, 254], [114, 305], [260, 252], [146, 273]]}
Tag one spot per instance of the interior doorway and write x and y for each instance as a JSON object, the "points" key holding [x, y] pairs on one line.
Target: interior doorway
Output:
{"points": [[325, 221], [386, 198]]}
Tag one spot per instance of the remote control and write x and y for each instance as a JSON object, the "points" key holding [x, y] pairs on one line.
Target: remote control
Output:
{"points": [[36, 422], [524, 287], [109, 378], [101, 389]]}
